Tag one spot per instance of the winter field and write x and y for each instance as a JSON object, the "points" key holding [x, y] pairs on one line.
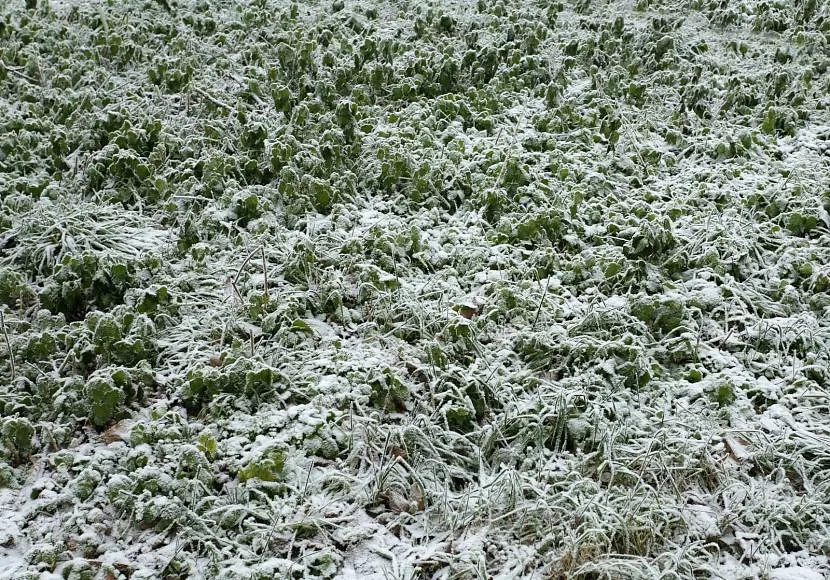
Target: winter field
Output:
{"points": [[404, 289]]}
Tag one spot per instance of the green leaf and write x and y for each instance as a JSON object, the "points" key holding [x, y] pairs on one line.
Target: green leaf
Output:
{"points": [[18, 434], [459, 419], [724, 395], [301, 325], [207, 445], [269, 468], [105, 400], [119, 272], [612, 270]]}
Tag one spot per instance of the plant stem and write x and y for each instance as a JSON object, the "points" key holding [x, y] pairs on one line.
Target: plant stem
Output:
{"points": [[265, 274], [213, 100], [8, 343], [542, 301]]}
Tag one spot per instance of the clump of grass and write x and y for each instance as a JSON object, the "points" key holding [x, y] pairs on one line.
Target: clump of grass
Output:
{"points": [[53, 229]]}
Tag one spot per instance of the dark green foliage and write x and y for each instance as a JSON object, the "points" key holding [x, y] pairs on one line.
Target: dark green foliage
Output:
{"points": [[661, 314], [724, 394], [388, 391], [15, 292], [455, 263], [105, 400], [17, 437], [82, 283], [801, 224], [651, 240], [153, 300], [459, 419], [241, 378]]}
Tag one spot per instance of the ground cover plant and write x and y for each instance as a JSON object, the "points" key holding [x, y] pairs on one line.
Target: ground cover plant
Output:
{"points": [[416, 290]]}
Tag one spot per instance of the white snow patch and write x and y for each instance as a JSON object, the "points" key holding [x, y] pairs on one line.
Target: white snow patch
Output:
{"points": [[796, 573]]}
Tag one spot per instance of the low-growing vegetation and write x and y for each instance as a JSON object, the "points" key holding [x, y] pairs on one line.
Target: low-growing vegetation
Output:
{"points": [[422, 290]]}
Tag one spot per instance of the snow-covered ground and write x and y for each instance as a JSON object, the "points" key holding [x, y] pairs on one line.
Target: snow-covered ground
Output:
{"points": [[350, 289]]}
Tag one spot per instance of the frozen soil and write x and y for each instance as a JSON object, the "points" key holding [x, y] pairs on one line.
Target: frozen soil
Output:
{"points": [[415, 290]]}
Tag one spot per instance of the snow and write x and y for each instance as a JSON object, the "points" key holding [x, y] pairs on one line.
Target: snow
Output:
{"points": [[12, 561], [462, 388], [795, 573]]}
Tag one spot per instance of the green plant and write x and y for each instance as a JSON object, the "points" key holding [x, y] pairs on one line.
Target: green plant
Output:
{"points": [[18, 437], [724, 394], [15, 292], [268, 468], [660, 314], [46, 554], [515, 257], [388, 391], [86, 483], [207, 445], [105, 400]]}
